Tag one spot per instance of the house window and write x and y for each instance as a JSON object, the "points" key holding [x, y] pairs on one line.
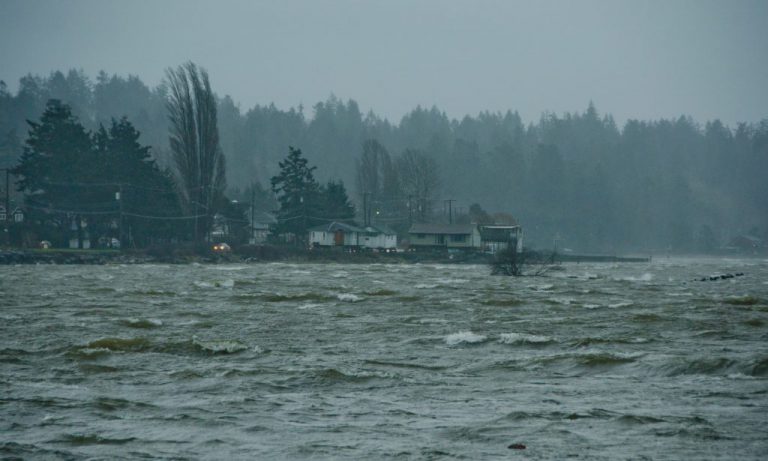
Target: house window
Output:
{"points": [[2, 216], [421, 236], [458, 238], [18, 217]]}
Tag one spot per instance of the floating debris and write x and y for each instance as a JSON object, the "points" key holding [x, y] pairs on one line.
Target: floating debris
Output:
{"points": [[712, 278]]}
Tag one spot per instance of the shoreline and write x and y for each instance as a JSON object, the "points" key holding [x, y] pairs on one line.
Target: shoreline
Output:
{"points": [[267, 254]]}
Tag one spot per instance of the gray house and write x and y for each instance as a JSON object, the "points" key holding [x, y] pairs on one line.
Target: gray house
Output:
{"points": [[465, 236]]}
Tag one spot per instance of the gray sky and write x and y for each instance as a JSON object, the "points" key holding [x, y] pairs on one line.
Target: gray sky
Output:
{"points": [[638, 59]]}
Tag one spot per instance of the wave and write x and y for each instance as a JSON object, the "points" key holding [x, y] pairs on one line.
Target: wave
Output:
{"points": [[348, 297], [105, 346], [334, 375], [92, 439], [407, 365], [546, 287], [647, 318], [523, 338], [703, 366], [645, 277], [381, 292], [742, 301], [94, 368], [228, 283], [464, 337], [620, 304], [634, 420], [113, 404], [280, 298], [754, 322], [141, 323], [592, 360], [309, 306], [448, 281], [157, 293], [219, 346], [502, 302], [591, 341]]}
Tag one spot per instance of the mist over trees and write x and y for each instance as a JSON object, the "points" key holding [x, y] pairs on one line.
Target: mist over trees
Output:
{"points": [[576, 177]]}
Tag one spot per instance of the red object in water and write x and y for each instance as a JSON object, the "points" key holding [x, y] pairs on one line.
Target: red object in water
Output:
{"points": [[517, 446]]}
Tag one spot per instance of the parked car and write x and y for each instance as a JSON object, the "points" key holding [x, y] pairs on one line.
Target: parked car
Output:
{"points": [[221, 248]]}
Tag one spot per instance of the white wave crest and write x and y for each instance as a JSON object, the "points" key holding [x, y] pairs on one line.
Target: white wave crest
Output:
{"points": [[464, 337], [423, 286], [309, 306], [149, 322], [646, 277], [523, 338], [447, 281], [546, 287], [223, 346], [620, 304], [348, 297]]}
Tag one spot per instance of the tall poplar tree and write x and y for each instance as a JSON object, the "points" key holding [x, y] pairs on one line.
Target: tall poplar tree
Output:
{"points": [[195, 148]]}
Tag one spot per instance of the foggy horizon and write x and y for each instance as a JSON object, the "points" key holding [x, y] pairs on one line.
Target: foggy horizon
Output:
{"points": [[633, 61]]}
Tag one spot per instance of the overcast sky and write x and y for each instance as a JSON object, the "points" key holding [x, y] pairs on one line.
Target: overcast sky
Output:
{"points": [[634, 59]]}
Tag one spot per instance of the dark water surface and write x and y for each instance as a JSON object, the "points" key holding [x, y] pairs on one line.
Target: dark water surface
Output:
{"points": [[289, 361]]}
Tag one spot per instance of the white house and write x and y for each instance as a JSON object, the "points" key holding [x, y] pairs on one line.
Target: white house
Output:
{"points": [[381, 238], [15, 215], [336, 234]]}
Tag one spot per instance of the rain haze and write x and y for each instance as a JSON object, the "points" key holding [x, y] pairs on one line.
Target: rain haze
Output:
{"points": [[644, 60], [362, 230]]}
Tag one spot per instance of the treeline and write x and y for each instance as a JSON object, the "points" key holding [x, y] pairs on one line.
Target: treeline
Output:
{"points": [[577, 178]]}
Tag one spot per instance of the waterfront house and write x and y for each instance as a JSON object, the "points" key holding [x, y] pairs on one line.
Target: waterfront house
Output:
{"points": [[498, 237], [379, 238], [466, 236], [336, 234]]}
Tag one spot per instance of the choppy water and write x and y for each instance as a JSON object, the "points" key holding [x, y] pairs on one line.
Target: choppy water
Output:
{"points": [[281, 361]]}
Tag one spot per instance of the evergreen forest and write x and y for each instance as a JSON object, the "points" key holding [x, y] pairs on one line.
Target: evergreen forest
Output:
{"points": [[575, 180]]}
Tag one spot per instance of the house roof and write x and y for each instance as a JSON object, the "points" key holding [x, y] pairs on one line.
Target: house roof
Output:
{"points": [[261, 217], [337, 226], [380, 230], [442, 229]]}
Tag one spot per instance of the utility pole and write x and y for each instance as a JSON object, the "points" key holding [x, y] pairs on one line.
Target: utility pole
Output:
{"points": [[410, 211], [304, 214], [365, 209], [252, 238], [450, 210], [119, 197], [7, 205], [7, 192]]}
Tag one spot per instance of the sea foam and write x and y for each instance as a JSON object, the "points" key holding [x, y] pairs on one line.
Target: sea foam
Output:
{"points": [[464, 337], [523, 338]]}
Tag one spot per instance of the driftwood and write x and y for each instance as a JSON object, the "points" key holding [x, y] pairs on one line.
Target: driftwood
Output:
{"points": [[712, 278]]}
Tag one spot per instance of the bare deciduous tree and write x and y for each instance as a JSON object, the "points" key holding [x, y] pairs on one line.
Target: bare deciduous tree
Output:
{"points": [[419, 178], [194, 139]]}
